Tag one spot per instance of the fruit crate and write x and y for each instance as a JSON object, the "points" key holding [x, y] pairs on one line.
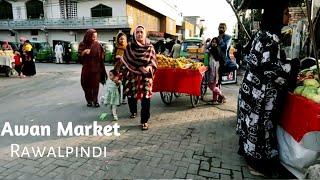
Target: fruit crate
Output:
{"points": [[192, 50]]}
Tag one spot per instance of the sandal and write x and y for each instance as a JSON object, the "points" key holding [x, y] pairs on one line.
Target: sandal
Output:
{"points": [[145, 127], [89, 104], [222, 99], [132, 116], [96, 105]]}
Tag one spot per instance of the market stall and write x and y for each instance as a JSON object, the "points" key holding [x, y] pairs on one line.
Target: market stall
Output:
{"points": [[298, 132], [299, 129], [179, 76], [6, 62]]}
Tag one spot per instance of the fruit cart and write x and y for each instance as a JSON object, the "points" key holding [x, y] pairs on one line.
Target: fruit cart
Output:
{"points": [[6, 60], [176, 80], [298, 132]]}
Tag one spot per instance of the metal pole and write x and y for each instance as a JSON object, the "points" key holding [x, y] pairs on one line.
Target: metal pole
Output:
{"points": [[239, 21], [312, 35]]}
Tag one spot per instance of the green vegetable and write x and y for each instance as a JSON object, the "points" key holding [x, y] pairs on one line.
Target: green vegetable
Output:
{"points": [[298, 90], [309, 91], [316, 98], [311, 82]]}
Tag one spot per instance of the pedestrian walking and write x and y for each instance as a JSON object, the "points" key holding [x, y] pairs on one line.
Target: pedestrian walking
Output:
{"points": [[93, 69], [113, 96], [216, 63], [262, 92], [28, 66], [121, 45], [59, 52], [140, 64]]}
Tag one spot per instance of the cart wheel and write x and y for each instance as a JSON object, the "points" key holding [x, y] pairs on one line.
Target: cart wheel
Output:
{"points": [[194, 100], [204, 86], [8, 71], [166, 97], [177, 95]]}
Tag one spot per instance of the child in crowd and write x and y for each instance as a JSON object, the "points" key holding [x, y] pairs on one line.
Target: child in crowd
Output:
{"points": [[18, 63], [120, 47], [216, 63], [113, 94]]}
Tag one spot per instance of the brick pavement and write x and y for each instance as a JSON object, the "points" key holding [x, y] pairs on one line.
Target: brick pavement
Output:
{"points": [[183, 142]]}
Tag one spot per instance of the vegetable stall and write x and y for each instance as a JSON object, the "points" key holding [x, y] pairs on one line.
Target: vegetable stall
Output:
{"points": [[298, 132]]}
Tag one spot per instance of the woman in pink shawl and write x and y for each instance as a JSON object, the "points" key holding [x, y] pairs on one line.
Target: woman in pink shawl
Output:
{"points": [[139, 66]]}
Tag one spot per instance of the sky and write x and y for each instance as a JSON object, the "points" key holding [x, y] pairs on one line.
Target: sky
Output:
{"points": [[213, 11]]}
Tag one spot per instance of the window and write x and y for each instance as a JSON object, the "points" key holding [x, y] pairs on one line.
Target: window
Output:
{"points": [[34, 32], [34, 9], [62, 9], [72, 11], [5, 10], [101, 11]]}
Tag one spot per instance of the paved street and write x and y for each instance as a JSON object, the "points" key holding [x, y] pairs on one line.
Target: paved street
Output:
{"points": [[182, 142]]}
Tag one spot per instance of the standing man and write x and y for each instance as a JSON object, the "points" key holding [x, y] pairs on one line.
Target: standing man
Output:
{"points": [[176, 49], [225, 43], [224, 39], [58, 50]]}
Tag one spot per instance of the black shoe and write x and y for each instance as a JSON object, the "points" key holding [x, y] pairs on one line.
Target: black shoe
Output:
{"points": [[89, 104], [96, 105], [132, 116]]}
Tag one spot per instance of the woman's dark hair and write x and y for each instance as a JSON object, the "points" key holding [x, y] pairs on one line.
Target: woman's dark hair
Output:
{"points": [[27, 41], [272, 18], [216, 51], [120, 35], [215, 39], [114, 72]]}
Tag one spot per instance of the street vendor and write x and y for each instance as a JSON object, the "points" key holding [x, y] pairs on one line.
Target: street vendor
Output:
{"points": [[6, 46], [261, 93], [140, 64]]}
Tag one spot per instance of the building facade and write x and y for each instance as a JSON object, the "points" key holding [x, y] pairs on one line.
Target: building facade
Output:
{"points": [[196, 22], [52, 20]]}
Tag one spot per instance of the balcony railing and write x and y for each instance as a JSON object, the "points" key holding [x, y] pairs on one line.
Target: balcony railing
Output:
{"points": [[75, 23]]}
